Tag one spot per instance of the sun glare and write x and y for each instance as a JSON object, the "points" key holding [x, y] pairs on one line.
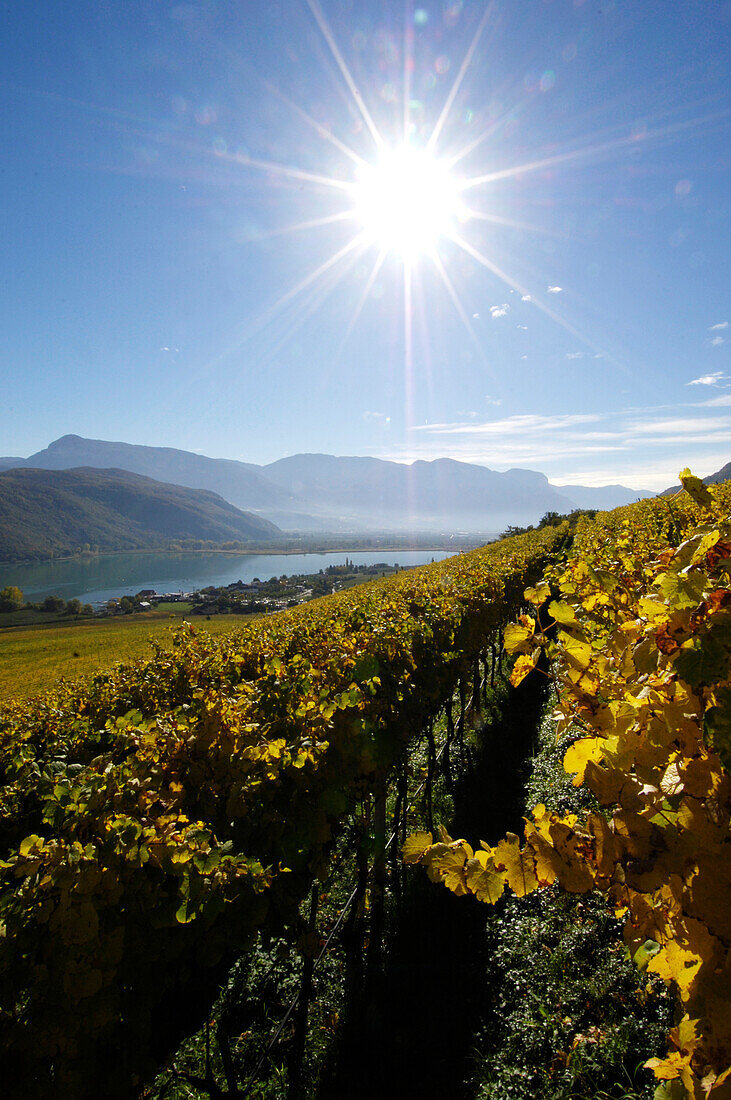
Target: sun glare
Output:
{"points": [[407, 201]]}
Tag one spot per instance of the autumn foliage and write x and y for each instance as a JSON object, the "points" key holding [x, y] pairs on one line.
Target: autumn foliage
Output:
{"points": [[638, 644], [154, 819]]}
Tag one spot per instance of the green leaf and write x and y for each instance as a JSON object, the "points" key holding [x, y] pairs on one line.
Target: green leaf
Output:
{"points": [[670, 1090], [207, 861], [30, 842], [644, 953]]}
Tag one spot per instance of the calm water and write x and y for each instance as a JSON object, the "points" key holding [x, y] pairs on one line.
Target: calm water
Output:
{"points": [[97, 579]]}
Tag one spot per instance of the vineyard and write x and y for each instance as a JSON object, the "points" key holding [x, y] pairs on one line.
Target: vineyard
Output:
{"points": [[159, 819], [639, 647]]}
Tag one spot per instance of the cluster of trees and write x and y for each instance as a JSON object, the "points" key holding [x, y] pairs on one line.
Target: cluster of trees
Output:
{"points": [[12, 599], [551, 519]]}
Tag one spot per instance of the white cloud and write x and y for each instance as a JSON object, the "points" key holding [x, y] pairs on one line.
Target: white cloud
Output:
{"points": [[499, 311], [493, 400], [717, 341], [475, 316], [707, 379], [680, 426], [527, 298], [639, 447], [376, 417], [574, 355], [554, 289], [720, 325], [716, 402], [523, 327]]}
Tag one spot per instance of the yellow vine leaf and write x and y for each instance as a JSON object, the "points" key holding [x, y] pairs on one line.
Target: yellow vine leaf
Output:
{"points": [[446, 863], [562, 612], [695, 488], [482, 878], [539, 594], [415, 845], [523, 666], [518, 636], [580, 754], [578, 653], [681, 958], [518, 867]]}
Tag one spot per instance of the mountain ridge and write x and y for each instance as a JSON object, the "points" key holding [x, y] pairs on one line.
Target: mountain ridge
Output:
{"points": [[320, 492], [56, 513]]}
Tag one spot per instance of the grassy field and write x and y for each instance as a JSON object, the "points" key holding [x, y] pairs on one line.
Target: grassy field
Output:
{"points": [[34, 657]]}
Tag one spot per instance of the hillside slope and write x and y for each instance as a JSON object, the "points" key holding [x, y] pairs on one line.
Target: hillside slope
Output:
{"points": [[241, 483], [54, 513]]}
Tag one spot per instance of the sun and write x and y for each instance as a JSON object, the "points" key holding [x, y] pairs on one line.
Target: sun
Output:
{"points": [[407, 201]]}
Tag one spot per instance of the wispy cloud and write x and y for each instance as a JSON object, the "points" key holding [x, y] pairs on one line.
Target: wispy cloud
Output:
{"points": [[554, 289], [720, 325], [718, 402], [717, 341], [641, 447], [376, 417], [574, 355], [499, 311], [493, 400], [527, 298], [707, 379]]}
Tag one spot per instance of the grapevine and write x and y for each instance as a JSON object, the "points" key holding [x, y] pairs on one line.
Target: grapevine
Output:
{"points": [[639, 646], [155, 818]]}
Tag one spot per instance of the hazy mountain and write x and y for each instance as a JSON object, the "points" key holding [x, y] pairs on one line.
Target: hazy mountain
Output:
{"points": [[433, 495], [241, 483], [603, 497], [724, 474], [310, 492], [54, 513], [10, 463]]}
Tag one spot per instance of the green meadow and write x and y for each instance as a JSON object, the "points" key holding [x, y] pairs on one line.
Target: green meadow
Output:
{"points": [[34, 656]]}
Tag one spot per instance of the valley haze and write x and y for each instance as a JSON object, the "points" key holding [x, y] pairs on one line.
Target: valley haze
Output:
{"points": [[318, 493]]}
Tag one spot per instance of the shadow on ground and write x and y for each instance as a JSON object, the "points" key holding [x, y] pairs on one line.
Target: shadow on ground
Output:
{"points": [[412, 1035]]}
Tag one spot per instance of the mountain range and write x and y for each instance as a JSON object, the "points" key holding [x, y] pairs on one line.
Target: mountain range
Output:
{"points": [[56, 513], [317, 492]]}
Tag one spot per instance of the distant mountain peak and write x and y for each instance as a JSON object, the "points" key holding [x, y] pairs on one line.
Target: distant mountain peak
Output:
{"points": [[314, 491]]}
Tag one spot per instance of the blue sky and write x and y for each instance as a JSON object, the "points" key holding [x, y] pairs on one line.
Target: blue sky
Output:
{"points": [[182, 265]]}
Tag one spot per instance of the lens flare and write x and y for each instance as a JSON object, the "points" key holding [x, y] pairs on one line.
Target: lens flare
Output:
{"points": [[407, 201]]}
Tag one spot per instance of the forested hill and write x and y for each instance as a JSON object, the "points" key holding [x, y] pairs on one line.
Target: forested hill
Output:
{"points": [[54, 513]]}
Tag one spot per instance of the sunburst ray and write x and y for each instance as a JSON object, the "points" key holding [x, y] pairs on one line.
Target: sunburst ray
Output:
{"points": [[327, 34], [466, 62]]}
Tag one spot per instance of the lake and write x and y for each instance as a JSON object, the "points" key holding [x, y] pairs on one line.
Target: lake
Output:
{"points": [[98, 579]]}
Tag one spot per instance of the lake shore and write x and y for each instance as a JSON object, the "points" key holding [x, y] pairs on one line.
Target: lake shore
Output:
{"points": [[97, 578], [454, 544]]}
